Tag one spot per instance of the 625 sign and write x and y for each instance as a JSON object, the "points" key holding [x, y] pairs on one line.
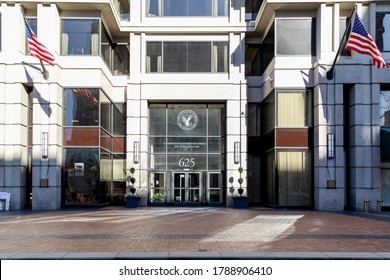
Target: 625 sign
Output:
{"points": [[187, 162]]}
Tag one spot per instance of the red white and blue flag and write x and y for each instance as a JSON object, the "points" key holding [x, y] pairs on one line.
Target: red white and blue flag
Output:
{"points": [[37, 49], [361, 41]]}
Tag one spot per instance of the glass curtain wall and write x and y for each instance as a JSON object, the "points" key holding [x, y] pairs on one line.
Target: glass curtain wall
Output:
{"points": [[90, 37], [187, 138], [287, 178], [384, 112], [94, 132], [187, 8]]}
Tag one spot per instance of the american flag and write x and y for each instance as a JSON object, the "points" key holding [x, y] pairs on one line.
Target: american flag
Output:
{"points": [[37, 49], [360, 41], [86, 94]]}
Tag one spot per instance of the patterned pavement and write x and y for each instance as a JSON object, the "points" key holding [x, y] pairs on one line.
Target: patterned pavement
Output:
{"points": [[192, 230]]}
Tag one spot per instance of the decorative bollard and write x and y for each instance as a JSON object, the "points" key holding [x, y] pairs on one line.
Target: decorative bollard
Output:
{"points": [[366, 205], [379, 205]]}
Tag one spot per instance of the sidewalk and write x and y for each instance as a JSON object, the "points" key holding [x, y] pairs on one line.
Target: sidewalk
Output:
{"points": [[193, 233]]}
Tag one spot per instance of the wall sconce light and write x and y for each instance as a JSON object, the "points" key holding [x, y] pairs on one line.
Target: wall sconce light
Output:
{"points": [[237, 151], [330, 145], [45, 144], [136, 152]]}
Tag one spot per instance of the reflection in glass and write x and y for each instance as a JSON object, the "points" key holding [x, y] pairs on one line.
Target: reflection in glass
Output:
{"points": [[81, 175], [82, 107]]}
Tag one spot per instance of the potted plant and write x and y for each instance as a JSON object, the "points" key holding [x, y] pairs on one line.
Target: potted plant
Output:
{"points": [[132, 200], [240, 201], [158, 199]]}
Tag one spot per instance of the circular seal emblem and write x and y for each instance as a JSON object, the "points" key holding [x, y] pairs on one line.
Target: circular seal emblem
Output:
{"points": [[187, 119]]}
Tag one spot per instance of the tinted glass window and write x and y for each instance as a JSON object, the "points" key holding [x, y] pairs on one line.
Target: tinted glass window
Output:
{"points": [[175, 57], [178, 57], [383, 31], [199, 57], [119, 119], [181, 8], [295, 37], [80, 36], [82, 107]]}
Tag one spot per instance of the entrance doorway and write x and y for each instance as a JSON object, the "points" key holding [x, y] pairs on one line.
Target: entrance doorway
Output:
{"points": [[187, 154], [187, 187]]}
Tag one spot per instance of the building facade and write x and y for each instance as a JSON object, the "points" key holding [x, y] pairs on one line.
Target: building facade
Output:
{"points": [[184, 93]]}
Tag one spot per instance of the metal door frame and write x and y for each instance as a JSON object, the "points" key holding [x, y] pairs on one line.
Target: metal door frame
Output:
{"points": [[186, 188]]}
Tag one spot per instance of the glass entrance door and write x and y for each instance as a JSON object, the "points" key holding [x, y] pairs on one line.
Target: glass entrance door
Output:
{"points": [[187, 187]]}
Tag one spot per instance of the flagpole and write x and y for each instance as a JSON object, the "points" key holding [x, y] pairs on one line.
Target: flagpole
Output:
{"points": [[330, 73], [44, 72]]}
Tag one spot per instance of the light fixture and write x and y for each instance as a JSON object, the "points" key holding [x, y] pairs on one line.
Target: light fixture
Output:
{"points": [[237, 151], [45, 144], [330, 145], [136, 152]]}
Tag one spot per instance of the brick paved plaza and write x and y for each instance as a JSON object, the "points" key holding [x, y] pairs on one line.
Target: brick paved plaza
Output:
{"points": [[192, 230]]}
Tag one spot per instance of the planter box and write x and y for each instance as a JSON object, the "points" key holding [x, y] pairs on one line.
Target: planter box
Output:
{"points": [[240, 201], [132, 202]]}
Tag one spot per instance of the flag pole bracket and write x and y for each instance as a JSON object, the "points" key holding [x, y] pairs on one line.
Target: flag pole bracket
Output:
{"points": [[330, 74]]}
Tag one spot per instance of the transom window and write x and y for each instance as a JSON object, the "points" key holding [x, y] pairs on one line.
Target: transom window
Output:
{"points": [[186, 57], [187, 136]]}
